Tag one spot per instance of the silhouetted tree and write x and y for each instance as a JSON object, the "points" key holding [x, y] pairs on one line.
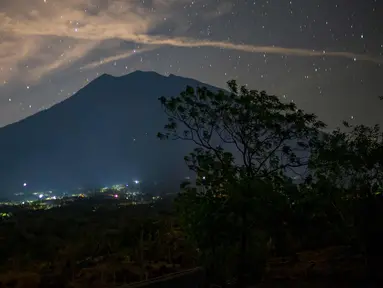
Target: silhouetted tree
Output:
{"points": [[246, 142], [350, 161]]}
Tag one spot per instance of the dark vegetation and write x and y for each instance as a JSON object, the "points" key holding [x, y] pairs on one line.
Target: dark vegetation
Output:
{"points": [[81, 245], [249, 210], [244, 221]]}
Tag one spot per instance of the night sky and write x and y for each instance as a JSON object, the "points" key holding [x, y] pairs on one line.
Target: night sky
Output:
{"points": [[325, 55]]}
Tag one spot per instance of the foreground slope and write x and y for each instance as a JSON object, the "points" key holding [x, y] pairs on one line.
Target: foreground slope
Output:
{"points": [[103, 134]]}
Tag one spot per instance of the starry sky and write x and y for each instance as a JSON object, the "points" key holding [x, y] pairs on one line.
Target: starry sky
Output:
{"points": [[325, 55]]}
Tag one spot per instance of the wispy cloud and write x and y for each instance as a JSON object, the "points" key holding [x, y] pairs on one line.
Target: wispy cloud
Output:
{"points": [[117, 57], [65, 59], [32, 33]]}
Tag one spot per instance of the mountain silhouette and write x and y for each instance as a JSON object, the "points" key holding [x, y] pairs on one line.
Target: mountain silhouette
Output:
{"points": [[103, 134]]}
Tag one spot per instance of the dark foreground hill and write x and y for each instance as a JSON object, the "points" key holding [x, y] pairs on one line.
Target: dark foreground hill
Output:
{"points": [[105, 133]]}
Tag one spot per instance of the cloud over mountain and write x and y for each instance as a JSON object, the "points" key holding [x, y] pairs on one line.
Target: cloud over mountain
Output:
{"points": [[30, 28]]}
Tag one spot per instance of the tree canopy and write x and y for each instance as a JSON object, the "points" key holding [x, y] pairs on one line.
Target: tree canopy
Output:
{"points": [[351, 159], [267, 135], [246, 142]]}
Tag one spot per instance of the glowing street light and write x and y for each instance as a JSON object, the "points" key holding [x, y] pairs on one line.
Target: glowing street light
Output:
{"points": [[136, 181], [25, 185]]}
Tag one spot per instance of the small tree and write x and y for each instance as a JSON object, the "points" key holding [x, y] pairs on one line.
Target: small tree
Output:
{"points": [[245, 141]]}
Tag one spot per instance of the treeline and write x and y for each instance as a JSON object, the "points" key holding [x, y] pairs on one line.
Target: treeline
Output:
{"points": [[245, 207]]}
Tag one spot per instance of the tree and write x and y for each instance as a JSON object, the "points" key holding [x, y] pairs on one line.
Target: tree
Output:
{"points": [[246, 141], [351, 159], [351, 162]]}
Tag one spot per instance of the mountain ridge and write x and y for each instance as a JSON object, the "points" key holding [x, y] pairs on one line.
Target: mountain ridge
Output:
{"points": [[109, 76]]}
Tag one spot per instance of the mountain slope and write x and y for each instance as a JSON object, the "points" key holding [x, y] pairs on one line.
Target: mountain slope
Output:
{"points": [[103, 134]]}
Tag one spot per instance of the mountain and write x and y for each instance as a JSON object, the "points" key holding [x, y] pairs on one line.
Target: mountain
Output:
{"points": [[104, 134]]}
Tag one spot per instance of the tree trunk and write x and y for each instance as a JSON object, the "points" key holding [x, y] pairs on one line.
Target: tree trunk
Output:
{"points": [[241, 281], [142, 254]]}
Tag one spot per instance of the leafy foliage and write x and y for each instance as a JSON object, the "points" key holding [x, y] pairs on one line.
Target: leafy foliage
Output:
{"points": [[259, 127], [352, 159]]}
